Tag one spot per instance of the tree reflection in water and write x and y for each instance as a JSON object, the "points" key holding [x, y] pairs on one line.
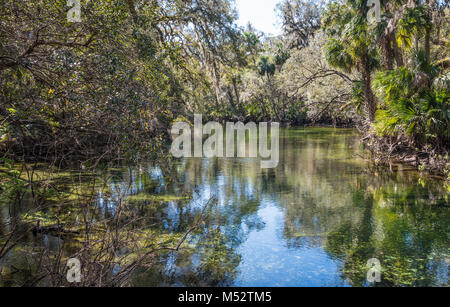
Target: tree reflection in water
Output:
{"points": [[315, 220]]}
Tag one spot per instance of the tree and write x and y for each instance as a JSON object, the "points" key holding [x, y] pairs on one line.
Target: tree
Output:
{"points": [[351, 45], [301, 19]]}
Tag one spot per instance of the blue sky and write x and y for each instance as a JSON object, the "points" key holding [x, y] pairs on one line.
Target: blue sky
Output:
{"points": [[260, 13]]}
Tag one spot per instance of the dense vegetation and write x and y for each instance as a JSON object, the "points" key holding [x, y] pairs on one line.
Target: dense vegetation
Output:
{"points": [[106, 89], [109, 87]]}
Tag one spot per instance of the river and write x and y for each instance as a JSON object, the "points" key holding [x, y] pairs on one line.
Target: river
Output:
{"points": [[315, 220]]}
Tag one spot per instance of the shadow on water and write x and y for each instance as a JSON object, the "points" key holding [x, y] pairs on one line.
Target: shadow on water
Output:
{"points": [[315, 220]]}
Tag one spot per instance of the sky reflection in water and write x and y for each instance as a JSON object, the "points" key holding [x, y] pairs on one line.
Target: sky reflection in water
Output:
{"points": [[313, 221]]}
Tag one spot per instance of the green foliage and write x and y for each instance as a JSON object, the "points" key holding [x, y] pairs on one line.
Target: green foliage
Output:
{"points": [[411, 108], [358, 96], [281, 56], [415, 21], [337, 56], [300, 20], [296, 113], [10, 181], [254, 110], [265, 68], [352, 46], [410, 100]]}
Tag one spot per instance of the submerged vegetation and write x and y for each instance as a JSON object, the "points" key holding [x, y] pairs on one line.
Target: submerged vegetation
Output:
{"points": [[85, 108]]}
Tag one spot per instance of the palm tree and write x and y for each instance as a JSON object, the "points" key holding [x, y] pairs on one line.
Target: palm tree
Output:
{"points": [[352, 45], [265, 68]]}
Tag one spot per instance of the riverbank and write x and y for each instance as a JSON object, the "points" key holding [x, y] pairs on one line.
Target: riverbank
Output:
{"points": [[389, 150]]}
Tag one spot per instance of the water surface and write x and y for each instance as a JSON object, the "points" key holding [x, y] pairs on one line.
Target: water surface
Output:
{"points": [[315, 220]]}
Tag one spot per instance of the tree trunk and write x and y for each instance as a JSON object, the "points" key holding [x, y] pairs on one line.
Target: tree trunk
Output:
{"points": [[388, 53], [428, 34], [370, 102], [397, 53], [216, 81], [230, 97], [236, 91]]}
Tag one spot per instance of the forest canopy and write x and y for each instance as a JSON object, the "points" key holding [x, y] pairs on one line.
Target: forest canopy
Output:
{"points": [[110, 86]]}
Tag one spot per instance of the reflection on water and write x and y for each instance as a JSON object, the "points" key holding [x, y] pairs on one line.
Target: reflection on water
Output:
{"points": [[315, 220]]}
